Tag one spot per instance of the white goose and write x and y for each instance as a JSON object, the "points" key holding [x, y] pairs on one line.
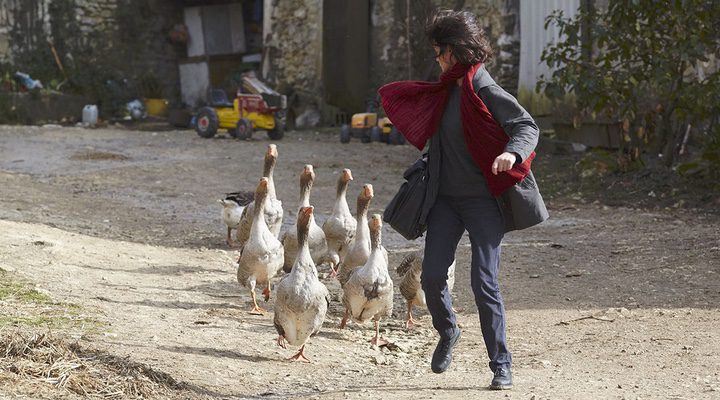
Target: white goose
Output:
{"points": [[273, 207], [316, 237], [302, 300], [410, 270], [340, 227], [233, 205], [359, 247], [262, 254], [369, 291]]}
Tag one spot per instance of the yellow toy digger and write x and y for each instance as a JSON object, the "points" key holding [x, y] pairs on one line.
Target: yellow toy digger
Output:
{"points": [[369, 128], [262, 108]]}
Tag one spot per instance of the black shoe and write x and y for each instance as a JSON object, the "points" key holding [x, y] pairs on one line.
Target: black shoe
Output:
{"points": [[502, 379], [442, 357]]}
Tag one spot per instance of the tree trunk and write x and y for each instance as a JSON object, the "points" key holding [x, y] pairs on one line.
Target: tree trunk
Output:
{"points": [[667, 139], [670, 137]]}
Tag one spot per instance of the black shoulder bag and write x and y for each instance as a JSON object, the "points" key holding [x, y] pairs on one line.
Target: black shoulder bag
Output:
{"points": [[405, 211]]}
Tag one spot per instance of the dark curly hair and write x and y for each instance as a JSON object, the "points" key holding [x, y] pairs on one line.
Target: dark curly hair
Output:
{"points": [[460, 31]]}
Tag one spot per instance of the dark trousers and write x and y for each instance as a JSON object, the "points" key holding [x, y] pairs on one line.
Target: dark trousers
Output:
{"points": [[447, 221]]}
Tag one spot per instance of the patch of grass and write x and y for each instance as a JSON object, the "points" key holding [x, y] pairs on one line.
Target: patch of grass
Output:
{"points": [[56, 319], [22, 306], [50, 321], [11, 288]]}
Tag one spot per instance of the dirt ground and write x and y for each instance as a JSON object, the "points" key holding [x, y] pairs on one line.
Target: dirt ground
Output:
{"points": [[603, 301]]}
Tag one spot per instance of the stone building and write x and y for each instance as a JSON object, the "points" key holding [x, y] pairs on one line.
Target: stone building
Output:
{"points": [[335, 55], [328, 56], [87, 42]]}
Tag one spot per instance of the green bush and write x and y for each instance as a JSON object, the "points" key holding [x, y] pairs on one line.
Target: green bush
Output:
{"points": [[639, 62]]}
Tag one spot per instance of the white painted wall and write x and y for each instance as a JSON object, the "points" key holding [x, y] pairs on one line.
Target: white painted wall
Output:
{"points": [[196, 40], [194, 82]]}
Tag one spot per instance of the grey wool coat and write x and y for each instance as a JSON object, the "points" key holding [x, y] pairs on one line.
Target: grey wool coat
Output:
{"points": [[522, 205]]}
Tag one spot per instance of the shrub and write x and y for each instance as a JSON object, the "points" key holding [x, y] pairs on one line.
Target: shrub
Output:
{"points": [[648, 63]]}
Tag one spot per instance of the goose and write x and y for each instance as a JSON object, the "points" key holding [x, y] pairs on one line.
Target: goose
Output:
{"points": [[273, 207], [359, 247], [410, 270], [316, 236], [301, 299], [340, 227], [262, 255], [369, 291], [233, 205]]}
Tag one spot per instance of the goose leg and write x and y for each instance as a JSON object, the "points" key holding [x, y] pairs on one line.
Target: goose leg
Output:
{"points": [[333, 271], [300, 355], [256, 310], [377, 340], [344, 321], [229, 240], [266, 291], [333, 260], [281, 341], [336, 270], [410, 324]]}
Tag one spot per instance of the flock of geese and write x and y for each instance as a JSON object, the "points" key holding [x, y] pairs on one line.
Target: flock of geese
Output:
{"points": [[349, 245]]}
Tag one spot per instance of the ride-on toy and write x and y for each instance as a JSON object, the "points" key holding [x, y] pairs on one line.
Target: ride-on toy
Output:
{"points": [[386, 132], [369, 128], [263, 108]]}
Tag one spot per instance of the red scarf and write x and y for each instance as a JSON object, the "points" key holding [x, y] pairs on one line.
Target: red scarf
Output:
{"points": [[416, 108]]}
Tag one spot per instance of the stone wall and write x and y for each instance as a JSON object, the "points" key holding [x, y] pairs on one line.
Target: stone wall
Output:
{"points": [[144, 42], [94, 40], [130, 38], [395, 57], [398, 48], [21, 24], [293, 48], [506, 67], [96, 16]]}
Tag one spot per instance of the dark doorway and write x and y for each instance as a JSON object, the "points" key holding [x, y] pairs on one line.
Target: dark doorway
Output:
{"points": [[345, 53]]}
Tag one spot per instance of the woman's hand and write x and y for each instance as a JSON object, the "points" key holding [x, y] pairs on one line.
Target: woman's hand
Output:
{"points": [[503, 162]]}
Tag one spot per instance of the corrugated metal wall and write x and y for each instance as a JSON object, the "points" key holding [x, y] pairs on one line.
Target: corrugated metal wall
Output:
{"points": [[534, 37]]}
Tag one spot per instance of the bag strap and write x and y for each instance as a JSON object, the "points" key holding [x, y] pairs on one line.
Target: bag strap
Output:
{"points": [[432, 187]]}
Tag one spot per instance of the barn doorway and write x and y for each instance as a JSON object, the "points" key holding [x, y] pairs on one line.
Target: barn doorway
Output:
{"points": [[346, 48]]}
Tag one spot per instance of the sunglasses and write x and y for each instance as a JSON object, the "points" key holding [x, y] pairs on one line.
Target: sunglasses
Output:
{"points": [[441, 52]]}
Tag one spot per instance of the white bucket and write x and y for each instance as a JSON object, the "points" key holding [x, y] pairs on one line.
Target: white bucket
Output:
{"points": [[90, 115]]}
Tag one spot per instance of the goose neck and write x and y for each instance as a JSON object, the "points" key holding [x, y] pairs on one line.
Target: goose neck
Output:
{"points": [[375, 238], [302, 236], [342, 186], [305, 189], [362, 232], [303, 263], [341, 205], [269, 167], [362, 208], [271, 188], [260, 201]]}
